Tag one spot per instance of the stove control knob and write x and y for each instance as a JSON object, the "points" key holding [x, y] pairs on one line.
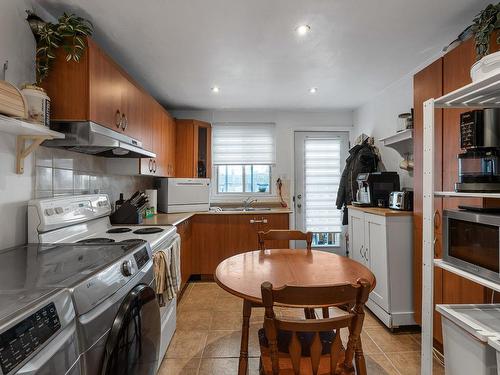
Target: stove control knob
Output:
{"points": [[127, 268]]}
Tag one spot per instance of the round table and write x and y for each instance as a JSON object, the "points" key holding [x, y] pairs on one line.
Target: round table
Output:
{"points": [[243, 274]]}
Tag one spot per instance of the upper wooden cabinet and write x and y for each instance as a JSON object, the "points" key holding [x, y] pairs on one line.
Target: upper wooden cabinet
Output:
{"points": [[97, 89], [194, 145]]}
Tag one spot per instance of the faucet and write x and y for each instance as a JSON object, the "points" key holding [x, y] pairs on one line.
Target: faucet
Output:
{"points": [[248, 202]]}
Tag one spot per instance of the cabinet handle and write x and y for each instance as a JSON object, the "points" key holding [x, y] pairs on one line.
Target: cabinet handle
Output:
{"points": [[118, 118], [150, 165], [254, 221], [124, 121], [154, 166], [361, 251], [366, 256]]}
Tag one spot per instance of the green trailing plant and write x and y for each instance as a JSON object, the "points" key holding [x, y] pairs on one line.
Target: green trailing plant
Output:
{"points": [[69, 33], [484, 24]]}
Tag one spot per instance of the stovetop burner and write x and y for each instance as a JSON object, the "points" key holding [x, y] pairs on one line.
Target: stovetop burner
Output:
{"points": [[96, 240], [149, 230], [119, 230], [133, 240]]}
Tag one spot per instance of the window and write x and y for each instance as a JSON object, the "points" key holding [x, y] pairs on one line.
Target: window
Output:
{"points": [[243, 155], [252, 178]]}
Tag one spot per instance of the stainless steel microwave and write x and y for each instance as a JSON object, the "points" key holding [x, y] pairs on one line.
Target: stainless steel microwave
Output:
{"points": [[471, 242]]}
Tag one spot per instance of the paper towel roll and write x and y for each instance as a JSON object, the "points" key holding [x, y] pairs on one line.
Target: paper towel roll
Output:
{"points": [[153, 200]]}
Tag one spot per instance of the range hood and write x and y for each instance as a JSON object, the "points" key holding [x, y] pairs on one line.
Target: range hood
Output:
{"points": [[90, 138]]}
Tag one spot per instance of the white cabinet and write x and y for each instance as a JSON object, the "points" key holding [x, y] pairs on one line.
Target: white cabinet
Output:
{"points": [[383, 243]]}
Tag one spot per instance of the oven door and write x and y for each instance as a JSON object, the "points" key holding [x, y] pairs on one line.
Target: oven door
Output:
{"points": [[133, 343], [471, 241]]}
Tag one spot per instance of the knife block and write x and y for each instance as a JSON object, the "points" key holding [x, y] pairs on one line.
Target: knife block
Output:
{"points": [[126, 214]]}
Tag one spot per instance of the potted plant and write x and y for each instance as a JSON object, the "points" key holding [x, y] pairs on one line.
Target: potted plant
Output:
{"points": [[484, 25], [69, 33]]}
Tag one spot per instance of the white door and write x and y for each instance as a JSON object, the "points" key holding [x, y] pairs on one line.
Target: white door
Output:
{"points": [[376, 253], [319, 162], [357, 237]]}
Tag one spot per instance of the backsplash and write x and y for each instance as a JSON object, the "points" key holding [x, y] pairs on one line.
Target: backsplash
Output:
{"points": [[60, 172]]}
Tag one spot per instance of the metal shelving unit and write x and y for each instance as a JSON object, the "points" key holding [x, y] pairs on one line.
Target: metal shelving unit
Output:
{"points": [[480, 94]]}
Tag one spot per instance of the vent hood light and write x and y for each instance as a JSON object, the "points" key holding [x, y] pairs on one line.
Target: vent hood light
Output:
{"points": [[215, 89], [313, 90]]}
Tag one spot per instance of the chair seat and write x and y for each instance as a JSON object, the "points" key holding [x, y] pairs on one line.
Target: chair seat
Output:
{"points": [[305, 339]]}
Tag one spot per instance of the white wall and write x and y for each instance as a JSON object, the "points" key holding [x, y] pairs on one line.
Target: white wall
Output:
{"points": [[287, 122], [18, 46], [379, 118]]}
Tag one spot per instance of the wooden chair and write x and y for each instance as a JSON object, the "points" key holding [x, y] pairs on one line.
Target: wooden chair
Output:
{"points": [[313, 346], [284, 235]]}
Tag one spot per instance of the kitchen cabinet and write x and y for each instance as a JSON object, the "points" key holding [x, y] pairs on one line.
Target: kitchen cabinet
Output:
{"points": [[184, 229], [97, 89], [384, 245], [194, 145], [162, 144], [219, 236]]}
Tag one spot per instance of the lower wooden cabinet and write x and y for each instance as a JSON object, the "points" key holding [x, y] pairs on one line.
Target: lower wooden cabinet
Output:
{"points": [[216, 237], [184, 229]]}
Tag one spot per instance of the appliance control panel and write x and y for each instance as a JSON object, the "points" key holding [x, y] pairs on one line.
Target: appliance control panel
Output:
{"points": [[54, 213], [21, 340]]}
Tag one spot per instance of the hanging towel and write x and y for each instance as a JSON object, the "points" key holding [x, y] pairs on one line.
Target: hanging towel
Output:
{"points": [[167, 272]]}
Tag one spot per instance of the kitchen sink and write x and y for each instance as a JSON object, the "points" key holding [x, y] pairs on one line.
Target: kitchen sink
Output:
{"points": [[245, 209]]}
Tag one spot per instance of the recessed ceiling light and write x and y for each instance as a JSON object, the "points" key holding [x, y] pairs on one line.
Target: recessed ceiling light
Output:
{"points": [[313, 90], [215, 89], [303, 29]]}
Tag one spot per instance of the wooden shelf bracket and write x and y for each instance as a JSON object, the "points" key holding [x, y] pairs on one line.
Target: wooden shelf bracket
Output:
{"points": [[23, 150]]}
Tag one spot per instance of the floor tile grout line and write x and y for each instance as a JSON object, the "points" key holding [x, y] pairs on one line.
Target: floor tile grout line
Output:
{"points": [[383, 352]]}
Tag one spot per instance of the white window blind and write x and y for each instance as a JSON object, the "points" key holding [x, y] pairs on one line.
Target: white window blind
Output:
{"points": [[243, 143], [322, 178]]}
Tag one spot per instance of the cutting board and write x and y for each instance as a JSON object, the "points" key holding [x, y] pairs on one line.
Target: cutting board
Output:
{"points": [[12, 101]]}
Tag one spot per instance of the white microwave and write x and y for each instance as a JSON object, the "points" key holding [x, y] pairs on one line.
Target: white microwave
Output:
{"points": [[183, 194]]}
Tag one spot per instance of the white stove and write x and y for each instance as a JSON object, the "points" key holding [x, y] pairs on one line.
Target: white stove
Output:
{"points": [[84, 219]]}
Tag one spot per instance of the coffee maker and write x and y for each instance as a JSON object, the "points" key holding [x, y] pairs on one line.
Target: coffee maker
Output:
{"points": [[478, 166], [375, 188]]}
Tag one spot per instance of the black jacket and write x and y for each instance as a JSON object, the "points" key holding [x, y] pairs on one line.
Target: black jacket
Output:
{"points": [[362, 159]]}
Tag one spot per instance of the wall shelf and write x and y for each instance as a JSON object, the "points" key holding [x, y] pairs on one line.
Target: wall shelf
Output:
{"points": [[397, 139], [26, 132], [452, 194], [467, 275]]}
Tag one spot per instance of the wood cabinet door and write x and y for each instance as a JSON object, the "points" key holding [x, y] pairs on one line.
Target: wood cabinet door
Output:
{"points": [[427, 84], [133, 102], [375, 254], [210, 242], [185, 149], [184, 230], [106, 87], [169, 146], [242, 234], [274, 221]]}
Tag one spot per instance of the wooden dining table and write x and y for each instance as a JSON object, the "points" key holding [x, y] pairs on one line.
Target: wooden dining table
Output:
{"points": [[243, 274]]}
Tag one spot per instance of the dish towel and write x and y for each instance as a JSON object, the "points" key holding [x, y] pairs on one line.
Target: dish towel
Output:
{"points": [[167, 271]]}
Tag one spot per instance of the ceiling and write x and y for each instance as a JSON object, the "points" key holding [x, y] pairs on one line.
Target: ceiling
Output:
{"points": [[179, 49]]}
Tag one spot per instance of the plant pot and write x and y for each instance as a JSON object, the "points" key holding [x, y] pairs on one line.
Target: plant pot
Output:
{"points": [[488, 66]]}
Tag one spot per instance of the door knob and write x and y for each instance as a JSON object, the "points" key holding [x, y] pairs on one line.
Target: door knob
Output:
{"points": [[299, 205], [299, 196]]}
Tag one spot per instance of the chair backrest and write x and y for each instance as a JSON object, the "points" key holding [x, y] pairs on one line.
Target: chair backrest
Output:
{"points": [[284, 234], [353, 296]]}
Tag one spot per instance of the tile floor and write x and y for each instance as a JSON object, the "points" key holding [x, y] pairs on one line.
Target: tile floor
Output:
{"points": [[207, 339]]}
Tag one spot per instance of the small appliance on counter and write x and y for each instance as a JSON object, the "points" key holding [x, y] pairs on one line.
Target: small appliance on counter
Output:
{"points": [[375, 188], [183, 194], [401, 200], [478, 169]]}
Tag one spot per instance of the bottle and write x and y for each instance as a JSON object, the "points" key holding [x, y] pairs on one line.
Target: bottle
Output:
{"points": [[119, 202]]}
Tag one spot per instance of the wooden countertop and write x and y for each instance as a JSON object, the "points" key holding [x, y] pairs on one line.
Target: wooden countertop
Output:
{"points": [[177, 218], [381, 211]]}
